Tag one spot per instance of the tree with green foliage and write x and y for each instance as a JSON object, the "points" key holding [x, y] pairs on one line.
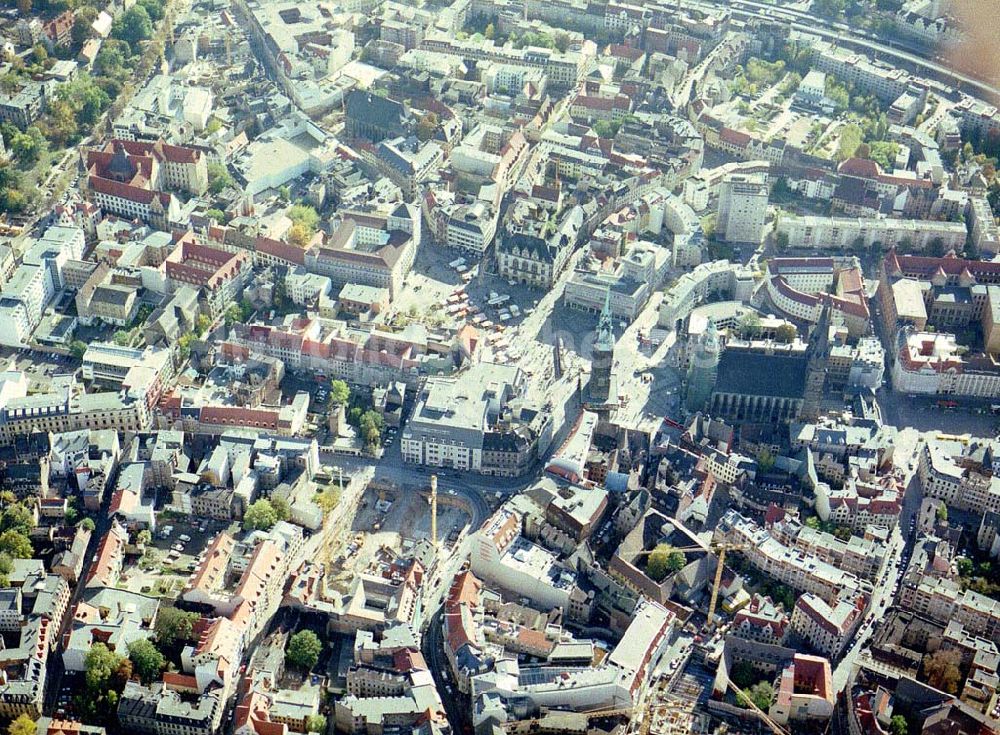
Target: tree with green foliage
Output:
{"points": [[315, 723], [942, 513], [281, 508], [303, 650], [233, 315], [304, 215], [219, 178], [103, 673], [16, 544], [260, 516], [28, 146], [77, 348], [327, 500], [202, 324], [339, 393], [965, 566], [663, 561], [83, 24], [898, 725], [87, 524], [17, 517], [6, 567], [174, 626], [605, 128], [184, 346], [760, 694], [153, 8], [786, 333], [884, 153], [832, 9], [850, 139], [12, 199], [133, 26], [146, 660], [112, 60], [40, 54], [122, 338], [749, 325], [743, 674], [371, 426], [23, 725], [765, 460]]}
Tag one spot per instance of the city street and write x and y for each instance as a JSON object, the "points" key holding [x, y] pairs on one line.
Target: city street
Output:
{"points": [[905, 450]]}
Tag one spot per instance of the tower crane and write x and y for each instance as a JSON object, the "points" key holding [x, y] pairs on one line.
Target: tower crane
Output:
{"points": [[718, 548]]}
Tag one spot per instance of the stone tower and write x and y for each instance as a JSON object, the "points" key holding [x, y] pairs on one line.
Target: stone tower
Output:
{"points": [[603, 359], [704, 368], [816, 358]]}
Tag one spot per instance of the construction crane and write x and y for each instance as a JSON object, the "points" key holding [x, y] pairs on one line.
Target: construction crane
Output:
{"points": [[718, 548], [771, 724]]}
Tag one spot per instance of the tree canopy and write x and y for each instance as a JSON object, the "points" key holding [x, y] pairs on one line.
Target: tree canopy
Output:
{"points": [[23, 725], [260, 516], [339, 392], [146, 660], [174, 625], [663, 561], [304, 649]]}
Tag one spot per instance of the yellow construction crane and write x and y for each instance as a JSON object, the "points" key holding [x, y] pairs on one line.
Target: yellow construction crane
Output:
{"points": [[774, 726], [719, 549]]}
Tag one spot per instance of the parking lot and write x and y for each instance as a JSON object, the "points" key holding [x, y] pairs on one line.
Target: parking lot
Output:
{"points": [[172, 555], [924, 413], [40, 367]]}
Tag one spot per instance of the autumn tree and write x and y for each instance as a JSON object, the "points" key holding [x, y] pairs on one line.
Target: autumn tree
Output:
{"points": [[23, 725], [941, 670]]}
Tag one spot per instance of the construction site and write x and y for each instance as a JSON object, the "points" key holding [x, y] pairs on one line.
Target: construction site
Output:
{"points": [[397, 520]]}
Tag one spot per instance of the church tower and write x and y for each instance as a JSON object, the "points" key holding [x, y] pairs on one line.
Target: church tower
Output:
{"points": [[603, 359], [704, 368], [816, 357]]}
